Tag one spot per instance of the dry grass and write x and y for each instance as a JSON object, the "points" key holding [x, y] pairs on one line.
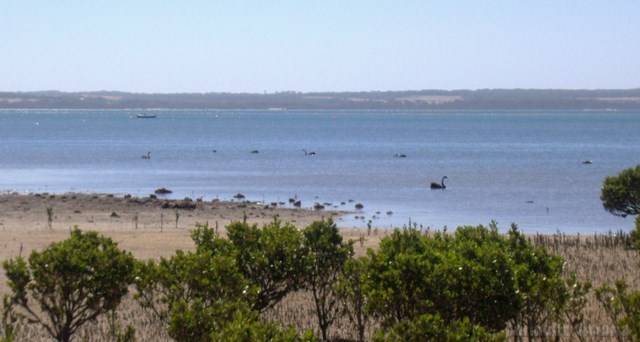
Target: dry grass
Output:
{"points": [[599, 259]]}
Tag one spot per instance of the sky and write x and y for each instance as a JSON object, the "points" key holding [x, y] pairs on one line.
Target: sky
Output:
{"points": [[164, 46]]}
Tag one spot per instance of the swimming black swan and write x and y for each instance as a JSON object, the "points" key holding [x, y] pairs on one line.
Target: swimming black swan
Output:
{"points": [[308, 153], [435, 185]]}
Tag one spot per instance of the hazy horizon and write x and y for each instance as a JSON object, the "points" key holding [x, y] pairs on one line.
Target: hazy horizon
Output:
{"points": [[256, 47], [311, 92]]}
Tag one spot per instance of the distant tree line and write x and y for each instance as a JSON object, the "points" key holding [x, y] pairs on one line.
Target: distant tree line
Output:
{"points": [[484, 99]]}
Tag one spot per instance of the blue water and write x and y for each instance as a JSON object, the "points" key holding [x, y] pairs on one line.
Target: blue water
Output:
{"points": [[522, 167]]}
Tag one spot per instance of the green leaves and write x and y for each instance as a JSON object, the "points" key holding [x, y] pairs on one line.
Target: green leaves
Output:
{"points": [[430, 327], [73, 281], [351, 291], [467, 285], [622, 307], [620, 194], [271, 258], [325, 255], [190, 290], [218, 292], [474, 274]]}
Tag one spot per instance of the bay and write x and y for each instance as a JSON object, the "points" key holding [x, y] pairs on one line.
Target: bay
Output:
{"points": [[510, 166]]}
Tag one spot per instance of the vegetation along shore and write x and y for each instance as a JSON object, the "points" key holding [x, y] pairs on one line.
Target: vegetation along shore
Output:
{"points": [[148, 269]]}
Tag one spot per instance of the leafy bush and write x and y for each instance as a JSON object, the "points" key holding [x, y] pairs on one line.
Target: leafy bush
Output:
{"points": [[325, 255], [72, 282], [245, 326], [475, 274], [217, 292], [433, 328], [351, 292], [271, 259], [207, 240], [622, 307], [542, 292], [466, 275], [194, 293], [620, 194]]}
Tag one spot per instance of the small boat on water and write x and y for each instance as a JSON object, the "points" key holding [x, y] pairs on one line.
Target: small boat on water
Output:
{"points": [[146, 116]]}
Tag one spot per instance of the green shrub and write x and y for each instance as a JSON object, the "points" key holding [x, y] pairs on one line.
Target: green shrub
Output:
{"points": [[465, 275], [325, 254], [433, 328], [620, 194], [542, 292], [351, 292], [72, 282], [475, 274], [271, 259], [622, 307], [194, 293]]}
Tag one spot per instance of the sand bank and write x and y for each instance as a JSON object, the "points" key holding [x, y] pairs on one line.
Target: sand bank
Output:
{"points": [[145, 226]]}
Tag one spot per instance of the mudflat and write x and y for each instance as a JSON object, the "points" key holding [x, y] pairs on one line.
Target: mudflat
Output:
{"points": [[147, 227]]}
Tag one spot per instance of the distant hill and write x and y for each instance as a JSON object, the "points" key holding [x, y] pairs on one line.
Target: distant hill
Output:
{"points": [[490, 99]]}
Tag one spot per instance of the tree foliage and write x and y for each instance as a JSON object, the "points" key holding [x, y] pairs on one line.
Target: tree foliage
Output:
{"points": [[271, 259], [246, 326], [216, 293], [350, 290], [620, 194], [466, 275], [72, 282], [430, 327], [194, 293], [543, 294], [475, 274], [325, 257], [468, 285], [622, 307]]}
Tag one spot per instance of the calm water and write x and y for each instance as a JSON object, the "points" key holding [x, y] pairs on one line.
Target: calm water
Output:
{"points": [[522, 167]]}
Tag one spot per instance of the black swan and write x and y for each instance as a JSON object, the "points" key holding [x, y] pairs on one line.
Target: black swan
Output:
{"points": [[435, 185], [308, 153]]}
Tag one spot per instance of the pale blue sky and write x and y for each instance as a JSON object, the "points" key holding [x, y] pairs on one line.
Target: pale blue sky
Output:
{"points": [[256, 46]]}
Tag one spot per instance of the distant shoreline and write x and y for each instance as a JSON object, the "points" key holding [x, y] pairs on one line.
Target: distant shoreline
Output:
{"points": [[482, 99]]}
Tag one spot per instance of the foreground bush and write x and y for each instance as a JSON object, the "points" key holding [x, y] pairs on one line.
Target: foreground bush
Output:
{"points": [[433, 328], [70, 283], [475, 274], [215, 293], [469, 285], [195, 294], [271, 259], [324, 260]]}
